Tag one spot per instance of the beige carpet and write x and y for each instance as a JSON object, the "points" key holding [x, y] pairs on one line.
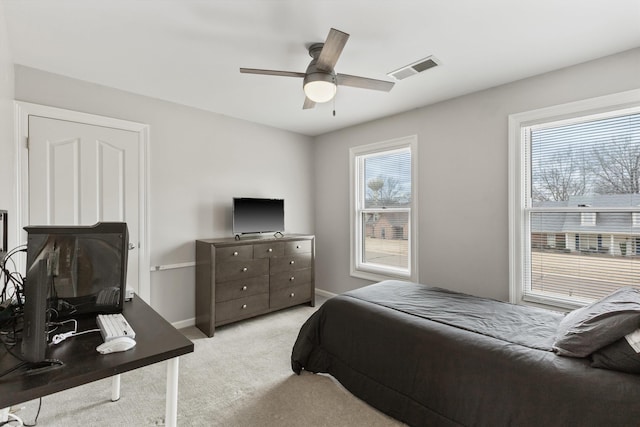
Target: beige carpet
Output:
{"points": [[240, 377]]}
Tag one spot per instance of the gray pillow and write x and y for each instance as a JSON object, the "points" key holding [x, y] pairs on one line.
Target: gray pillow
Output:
{"points": [[587, 329], [619, 356]]}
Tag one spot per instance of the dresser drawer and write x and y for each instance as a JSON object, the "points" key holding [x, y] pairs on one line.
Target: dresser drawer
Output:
{"points": [[240, 279], [242, 288], [292, 295], [242, 308], [267, 250], [237, 270], [234, 253], [290, 278], [297, 247], [290, 263]]}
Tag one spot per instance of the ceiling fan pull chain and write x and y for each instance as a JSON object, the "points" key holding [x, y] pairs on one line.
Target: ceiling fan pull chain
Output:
{"points": [[334, 103]]}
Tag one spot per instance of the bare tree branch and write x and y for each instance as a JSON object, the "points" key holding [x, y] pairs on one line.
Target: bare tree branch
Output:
{"points": [[618, 167]]}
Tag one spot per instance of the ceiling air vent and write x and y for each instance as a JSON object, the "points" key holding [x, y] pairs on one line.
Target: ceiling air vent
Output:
{"points": [[415, 68]]}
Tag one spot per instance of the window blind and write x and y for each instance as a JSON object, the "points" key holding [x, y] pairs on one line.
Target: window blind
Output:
{"points": [[387, 179], [385, 213], [583, 198]]}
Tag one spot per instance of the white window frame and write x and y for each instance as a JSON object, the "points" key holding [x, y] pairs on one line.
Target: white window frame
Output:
{"points": [[358, 268], [519, 236], [588, 219]]}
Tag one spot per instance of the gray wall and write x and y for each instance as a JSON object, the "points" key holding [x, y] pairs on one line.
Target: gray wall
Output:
{"points": [[463, 179], [198, 162], [7, 179]]}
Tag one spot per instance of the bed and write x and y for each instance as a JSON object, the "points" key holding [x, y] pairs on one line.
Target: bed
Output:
{"points": [[431, 357]]}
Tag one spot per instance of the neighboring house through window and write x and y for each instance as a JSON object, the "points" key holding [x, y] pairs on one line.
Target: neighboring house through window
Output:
{"points": [[383, 206], [587, 218], [575, 200]]}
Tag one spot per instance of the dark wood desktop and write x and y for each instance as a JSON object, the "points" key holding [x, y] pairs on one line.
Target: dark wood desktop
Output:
{"points": [[156, 341]]}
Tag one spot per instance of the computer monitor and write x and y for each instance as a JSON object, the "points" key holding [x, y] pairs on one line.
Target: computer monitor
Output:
{"points": [[34, 329], [86, 267]]}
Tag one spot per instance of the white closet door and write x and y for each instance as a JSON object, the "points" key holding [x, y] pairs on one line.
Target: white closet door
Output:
{"points": [[80, 174]]}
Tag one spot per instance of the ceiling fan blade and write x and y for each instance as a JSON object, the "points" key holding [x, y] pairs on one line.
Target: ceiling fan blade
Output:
{"points": [[271, 72], [332, 49], [308, 104], [364, 82]]}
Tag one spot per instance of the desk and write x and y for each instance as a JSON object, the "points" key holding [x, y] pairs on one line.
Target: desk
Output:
{"points": [[156, 341]]}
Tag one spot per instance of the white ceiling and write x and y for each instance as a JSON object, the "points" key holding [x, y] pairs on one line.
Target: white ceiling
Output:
{"points": [[189, 52]]}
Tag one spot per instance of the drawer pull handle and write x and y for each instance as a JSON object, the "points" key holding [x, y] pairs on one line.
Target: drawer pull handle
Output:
{"points": [[270, 250], [292, 278], [244, 269], [244, 288], [297, 246], [235, 253], [244, 306], [292, 295], [292, 262]]}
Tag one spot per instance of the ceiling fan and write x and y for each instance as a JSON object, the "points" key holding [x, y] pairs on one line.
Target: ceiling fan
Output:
{"points": [[320, 80]]}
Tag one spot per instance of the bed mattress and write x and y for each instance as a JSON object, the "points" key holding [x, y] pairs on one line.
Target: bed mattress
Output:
{"points": [[429, 356]]}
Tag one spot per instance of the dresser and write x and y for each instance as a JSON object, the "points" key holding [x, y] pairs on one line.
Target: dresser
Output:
{"points": [[239, 279]]}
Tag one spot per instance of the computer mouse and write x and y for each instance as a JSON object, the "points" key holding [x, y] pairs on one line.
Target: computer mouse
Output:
{"points": [[115, 345]]}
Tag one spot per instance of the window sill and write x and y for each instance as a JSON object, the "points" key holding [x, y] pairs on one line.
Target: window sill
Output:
{"points": [[550, 303], [378, 276]]}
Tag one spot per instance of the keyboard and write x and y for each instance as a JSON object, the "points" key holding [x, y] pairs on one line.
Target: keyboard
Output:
{"points": [[114, 326]]}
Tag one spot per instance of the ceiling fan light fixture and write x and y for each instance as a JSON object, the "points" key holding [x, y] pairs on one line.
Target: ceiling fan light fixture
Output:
{"points": [[320, 87], [321, 82]]}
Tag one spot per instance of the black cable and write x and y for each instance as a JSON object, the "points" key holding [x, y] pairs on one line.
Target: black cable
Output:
{"points": [[10, 276], [13, 278], [18, 366], [8, 348]]}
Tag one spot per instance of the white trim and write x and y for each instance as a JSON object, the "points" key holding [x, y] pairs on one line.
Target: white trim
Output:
{"points": [[22, 111], [517, 122], [181, 324], [324, 293], [372, 273], [592, 106], [173, 266]]}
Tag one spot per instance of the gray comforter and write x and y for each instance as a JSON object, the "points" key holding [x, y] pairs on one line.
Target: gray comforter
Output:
{"points": [[428, 356]]}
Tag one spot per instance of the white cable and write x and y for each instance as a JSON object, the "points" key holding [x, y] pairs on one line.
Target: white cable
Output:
{"points": [[16, 418], [57, 339]]}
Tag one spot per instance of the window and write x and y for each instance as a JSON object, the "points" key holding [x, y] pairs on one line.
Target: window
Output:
{"points": [[587, 218], [575, 174], [383, 205]]}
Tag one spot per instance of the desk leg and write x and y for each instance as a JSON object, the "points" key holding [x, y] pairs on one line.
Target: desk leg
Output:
{"points": [[115, 388], [171, 415]]}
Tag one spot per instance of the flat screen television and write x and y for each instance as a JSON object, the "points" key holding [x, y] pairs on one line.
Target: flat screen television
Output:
{"points": [[254, 215]]}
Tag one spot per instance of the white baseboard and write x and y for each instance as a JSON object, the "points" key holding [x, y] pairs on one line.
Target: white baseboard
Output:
{"points": [[325, 293], [184, 323]]}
